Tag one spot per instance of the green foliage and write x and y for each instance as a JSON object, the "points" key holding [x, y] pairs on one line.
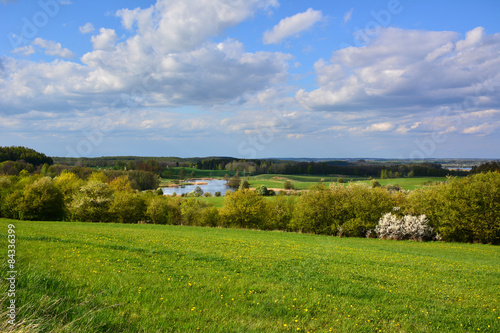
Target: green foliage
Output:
{"points": [[144, 180], [244, 209], [234, 182], [375, 183], [463, 209], [288, 185], [163, 210], [471, 209], [92, 203], [127, 207], [244, 185], [262, 190], [315, 211], [280, 213], [42, 200], [28, 155]]}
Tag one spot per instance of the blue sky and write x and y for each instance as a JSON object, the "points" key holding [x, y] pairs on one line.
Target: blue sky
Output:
{"points": [[251, 78]]}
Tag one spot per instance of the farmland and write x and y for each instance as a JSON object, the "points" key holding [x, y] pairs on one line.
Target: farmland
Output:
{"points": [[91, 277]]}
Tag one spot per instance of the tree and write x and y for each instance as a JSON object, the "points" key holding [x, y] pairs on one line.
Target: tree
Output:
{"points": [[198, 191], [144, 180], [280, 213], [121, 184], [127, 208], [163, 210], [244, 185], [42, 201], [182, 174], [234, 182], [314, 211], [92, 202], [262, 190], [68, 183], [288, 185], [244, 209]]}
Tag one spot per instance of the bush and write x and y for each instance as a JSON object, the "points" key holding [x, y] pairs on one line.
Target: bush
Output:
{"points": [[315, 211], [42, 201], [408, 227], [210, 217], [127, 208], [288, 185], [244, 209], [92, 203], [144, 180], [163, 210], [280, 213]]}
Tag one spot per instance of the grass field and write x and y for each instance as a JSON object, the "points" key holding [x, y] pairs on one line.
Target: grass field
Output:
{"points": [[84, 277]]}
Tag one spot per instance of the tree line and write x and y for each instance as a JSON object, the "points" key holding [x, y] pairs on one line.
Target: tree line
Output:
{"points": [[461, 209]]}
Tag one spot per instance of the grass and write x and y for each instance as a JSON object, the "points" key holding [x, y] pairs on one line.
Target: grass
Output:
{"points": [[86, 277], [409, 183]]}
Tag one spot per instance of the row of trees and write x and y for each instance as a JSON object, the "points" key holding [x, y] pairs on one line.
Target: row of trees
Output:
{"points": [[27, 155], [462, 209]]}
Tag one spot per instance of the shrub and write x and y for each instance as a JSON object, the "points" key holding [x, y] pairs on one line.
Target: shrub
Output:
{"points": [[315, 211], [127, 208], [408, 227], [92, 203], [288, 185], [217, 194], [162, 210], [244, 209], [280, 213], [42, 200], [210, 217]]}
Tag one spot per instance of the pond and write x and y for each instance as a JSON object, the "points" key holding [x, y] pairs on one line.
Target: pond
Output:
{"points": [[211, 186]]}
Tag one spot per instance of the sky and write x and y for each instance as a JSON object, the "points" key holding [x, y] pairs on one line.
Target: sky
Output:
{"points": [[251, 78]]}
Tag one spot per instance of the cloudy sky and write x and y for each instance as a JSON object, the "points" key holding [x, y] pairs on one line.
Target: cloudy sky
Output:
{"points": [[251, 78]]}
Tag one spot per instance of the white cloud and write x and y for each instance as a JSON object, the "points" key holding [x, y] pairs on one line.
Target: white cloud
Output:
{"points": [[150, 68], [348, 15], [485, 128], [292, 26], [87, 28], [401, 71], [403, 129], [24, 50], [53, 48], [105, 40]]}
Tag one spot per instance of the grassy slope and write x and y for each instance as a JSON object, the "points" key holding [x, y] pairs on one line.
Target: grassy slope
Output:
{"points": [[145, 278]]}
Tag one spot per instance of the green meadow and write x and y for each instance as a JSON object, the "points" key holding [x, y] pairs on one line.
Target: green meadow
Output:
{"points": [[90, 277]]}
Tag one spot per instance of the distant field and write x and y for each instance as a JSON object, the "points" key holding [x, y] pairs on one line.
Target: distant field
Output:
{"points": [[409, 183], [85, 277]]}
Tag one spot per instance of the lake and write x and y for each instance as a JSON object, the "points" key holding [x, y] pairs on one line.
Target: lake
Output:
{"points": [[212, 186]]}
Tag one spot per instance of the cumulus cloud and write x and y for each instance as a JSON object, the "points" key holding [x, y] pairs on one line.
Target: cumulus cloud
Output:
{"points": [[168, 59], [292, 26], [87, 28], [53, 48], [24, 50], [404, 70], [105, 40]]}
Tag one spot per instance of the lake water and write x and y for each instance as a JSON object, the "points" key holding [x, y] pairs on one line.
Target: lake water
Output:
{"points": [[214, 185]]}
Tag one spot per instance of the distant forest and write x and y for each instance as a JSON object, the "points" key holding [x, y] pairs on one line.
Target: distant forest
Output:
{"points": [[14, 159], [360, 168]]}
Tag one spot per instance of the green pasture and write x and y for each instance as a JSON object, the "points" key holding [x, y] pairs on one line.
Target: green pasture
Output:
{"points": [[89, 277]]}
